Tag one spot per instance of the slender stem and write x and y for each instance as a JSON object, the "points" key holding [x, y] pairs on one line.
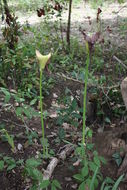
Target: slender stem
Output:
{"points": [[41, 106], [85, 94]]}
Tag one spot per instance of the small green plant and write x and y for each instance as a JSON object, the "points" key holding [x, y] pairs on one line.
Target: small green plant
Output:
{"points": [[31, 135], [109, 184], [116, 156], [70, 113], [89, 176], [9, 163], [8, 138], [43, 60], [31, 170]]}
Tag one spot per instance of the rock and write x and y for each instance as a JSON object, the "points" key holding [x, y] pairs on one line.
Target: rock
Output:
{"points": [[75, 186], [19, 146], [68, 179], [124, 91]]}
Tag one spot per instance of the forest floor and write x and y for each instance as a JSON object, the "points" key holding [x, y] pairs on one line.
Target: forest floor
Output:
{"points": [[107, 141]]}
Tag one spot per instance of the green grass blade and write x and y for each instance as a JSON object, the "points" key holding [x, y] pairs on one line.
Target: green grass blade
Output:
{"points": [[118, 182]]}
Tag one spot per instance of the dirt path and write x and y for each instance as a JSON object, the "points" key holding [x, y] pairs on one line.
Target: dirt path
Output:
{"points": [[113, 15]]}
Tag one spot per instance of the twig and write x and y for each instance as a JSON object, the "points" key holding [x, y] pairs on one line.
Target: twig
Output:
{"points": [[124, 6], [120, 62], [69, 78], [90, 85], [10, 121]]}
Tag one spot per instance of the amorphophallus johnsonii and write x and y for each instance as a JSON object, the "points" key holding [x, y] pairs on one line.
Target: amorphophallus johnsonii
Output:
{"points": [[43, 61]]}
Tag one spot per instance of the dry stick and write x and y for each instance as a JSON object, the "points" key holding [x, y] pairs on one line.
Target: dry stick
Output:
{"points": [[120, 62], [16, 124], [124, 6], [69, 78], [75, 80], [62, 156]]}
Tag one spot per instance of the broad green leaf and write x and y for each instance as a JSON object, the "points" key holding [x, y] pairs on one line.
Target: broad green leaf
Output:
{"points": [[56, 184], [84, 171], [53, 187], [93, 179], [82, 186], [1, 165], [32, 162], [108, 187], [10, 141], [102, 159], [36, 174], [12, 166], [79, 177], [92, 166], [33, 102], [19, 111], [107, 120], [44, 184], [109, 180], [118, 182], [97, 161], [27, 113], [21, 161], [7, 94]]}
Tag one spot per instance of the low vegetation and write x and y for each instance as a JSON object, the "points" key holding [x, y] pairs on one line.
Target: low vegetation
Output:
{"points": [[62, 116]]}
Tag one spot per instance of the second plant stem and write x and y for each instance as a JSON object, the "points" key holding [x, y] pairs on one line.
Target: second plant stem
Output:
{"points": [[85, 93], [42, 120]]}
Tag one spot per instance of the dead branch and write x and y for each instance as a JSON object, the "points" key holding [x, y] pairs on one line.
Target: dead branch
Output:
{"points": [[69, 78], [124, 6], [120, 62]]}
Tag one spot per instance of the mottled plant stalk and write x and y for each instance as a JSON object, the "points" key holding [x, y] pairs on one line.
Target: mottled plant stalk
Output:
{"points": [[43, 60], [41, 107], [85, 92]]}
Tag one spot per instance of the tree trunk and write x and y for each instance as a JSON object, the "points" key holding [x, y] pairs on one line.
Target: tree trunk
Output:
{"points": [[69, 23], [6, 7]]}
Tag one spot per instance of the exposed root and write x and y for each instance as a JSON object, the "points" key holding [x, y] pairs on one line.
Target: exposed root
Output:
{"points": [[50, 168], [66, 152], [54, 161]]}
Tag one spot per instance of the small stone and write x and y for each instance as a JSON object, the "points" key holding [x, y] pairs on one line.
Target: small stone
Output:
{"points": [[74, 186], [68, 179], [16, 104], [65, 126], [113, 125], [100, 130], [55, 95], [77, 162], [19, 146]]}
